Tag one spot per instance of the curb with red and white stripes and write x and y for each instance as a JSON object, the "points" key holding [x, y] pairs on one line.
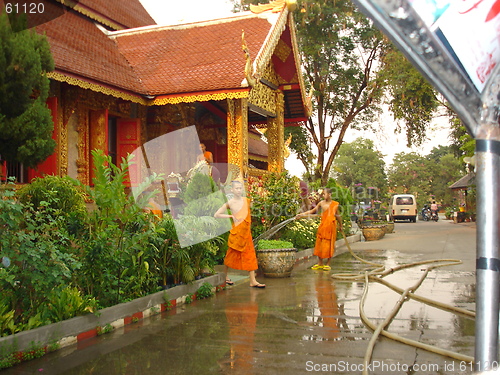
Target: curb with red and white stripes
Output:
{"points": [[81, 328]]}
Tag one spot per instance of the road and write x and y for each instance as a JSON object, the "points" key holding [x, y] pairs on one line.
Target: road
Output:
{"points": [[307, 323]]}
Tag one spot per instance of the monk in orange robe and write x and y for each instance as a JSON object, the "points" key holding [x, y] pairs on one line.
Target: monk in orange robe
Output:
{"points": [[205, 155], [327, 230], [241, 252]]}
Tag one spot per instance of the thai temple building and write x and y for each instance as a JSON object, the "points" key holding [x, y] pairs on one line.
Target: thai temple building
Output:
{"points": [[121, 81]]}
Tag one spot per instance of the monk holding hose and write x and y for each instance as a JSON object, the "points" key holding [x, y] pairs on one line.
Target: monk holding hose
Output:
{"points": [[327, 230], [241, 252]]}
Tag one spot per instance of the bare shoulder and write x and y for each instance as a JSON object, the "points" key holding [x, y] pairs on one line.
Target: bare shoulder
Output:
{"points": [[321, 202]]}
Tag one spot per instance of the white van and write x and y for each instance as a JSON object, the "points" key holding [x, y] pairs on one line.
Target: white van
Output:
{"points": [[403, 207]]}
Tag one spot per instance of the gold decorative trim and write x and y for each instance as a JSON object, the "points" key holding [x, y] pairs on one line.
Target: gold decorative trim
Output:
{"points": [[88, 12], [94, 87], [275, 135], [69, 104], [257, 158], [295, 49], [282, 50], [262, 96], [274, 6], [200, 97], [254, 172], [237, 137], [269, 45]]}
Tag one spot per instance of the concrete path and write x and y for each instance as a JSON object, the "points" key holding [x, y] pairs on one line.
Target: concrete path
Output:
{"points": [[304, 324]]}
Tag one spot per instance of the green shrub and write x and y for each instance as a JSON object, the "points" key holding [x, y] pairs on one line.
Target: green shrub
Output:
{"points": [[58, 193], [202, 196], [302, 233], [66, 303], [274, 244], [42, 254], [205, 291], [275, 198], [116, 252], [7, 325]]}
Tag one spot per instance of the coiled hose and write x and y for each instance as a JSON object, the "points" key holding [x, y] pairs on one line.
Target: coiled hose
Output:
{"points": [[377, 275]]}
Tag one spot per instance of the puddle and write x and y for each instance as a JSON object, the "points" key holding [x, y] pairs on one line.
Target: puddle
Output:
{"points": [[308, 317]]}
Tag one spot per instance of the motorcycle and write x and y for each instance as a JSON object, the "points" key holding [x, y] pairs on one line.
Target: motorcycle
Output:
{"points": [[434, 216], [426, 213]]}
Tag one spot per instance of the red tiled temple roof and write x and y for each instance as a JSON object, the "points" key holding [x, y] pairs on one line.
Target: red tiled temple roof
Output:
{"points": [[128, 13], [81, 49], [191, 62], [194, 57], [159, 59]]}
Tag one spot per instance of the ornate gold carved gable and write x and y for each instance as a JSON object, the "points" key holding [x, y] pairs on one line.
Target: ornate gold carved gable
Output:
{"points": [[262, 98]]}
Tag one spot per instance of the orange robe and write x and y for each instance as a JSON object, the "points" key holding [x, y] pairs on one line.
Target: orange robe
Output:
{"points": [[327, 233], [207, 155], [328, 307], [242, 320], [154, 208], [241, 252]]}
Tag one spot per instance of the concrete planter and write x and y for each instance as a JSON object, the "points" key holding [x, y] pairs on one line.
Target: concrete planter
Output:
{"points": [[276, 262], [389, 227], [373, 233]]}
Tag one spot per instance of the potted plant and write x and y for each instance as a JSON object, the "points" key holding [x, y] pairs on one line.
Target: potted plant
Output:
{"points": [[389, 227], [374, 232], [276, 258]]}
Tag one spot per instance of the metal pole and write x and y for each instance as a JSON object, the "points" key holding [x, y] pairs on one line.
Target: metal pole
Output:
{"points": [[399, 19], [487, 262]]}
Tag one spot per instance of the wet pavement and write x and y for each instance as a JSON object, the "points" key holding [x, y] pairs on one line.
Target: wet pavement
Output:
{"points": [[302, 324]]}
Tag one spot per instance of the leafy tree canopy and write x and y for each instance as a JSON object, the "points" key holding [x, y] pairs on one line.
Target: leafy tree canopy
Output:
{"points": [[407, 173], [300, 144], [413, 101], [25, 121], [462, 144], [428, 177], [359, 163], [351, 70]]}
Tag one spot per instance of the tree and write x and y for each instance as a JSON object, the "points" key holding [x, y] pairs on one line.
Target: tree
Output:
{"points": [[25, 121], [300, 144], [359, 163], [349, 65], [339, 49], [462, 144], [444, 169], [412, 100], [426, 176], [408, 173]]}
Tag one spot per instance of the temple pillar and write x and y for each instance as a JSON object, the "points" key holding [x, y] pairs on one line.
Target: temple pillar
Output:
{"points": [[275, 135], [237, 137]]}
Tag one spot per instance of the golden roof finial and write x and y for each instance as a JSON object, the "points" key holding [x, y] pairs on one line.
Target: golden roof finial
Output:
{"points": [[274, 6]]}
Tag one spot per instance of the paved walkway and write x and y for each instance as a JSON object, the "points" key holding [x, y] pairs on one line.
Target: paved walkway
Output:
{"points": [[302, 324]]}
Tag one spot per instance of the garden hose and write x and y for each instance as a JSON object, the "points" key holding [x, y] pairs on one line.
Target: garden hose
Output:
{"points": [[271, 231], [377, 274]]}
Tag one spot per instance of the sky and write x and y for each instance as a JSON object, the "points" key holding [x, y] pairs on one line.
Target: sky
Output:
{"points": [[170, 12], [387, 141]]}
